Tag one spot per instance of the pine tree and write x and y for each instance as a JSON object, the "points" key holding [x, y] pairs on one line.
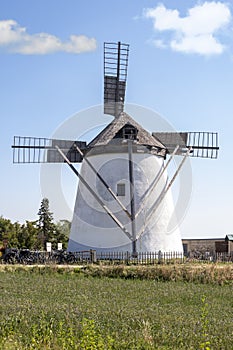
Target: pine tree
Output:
{"points": [[45, 223]]}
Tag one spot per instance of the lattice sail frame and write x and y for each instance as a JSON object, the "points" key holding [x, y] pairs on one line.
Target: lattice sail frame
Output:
{"points": [[43, 150], [203, 144], [115, 76]]}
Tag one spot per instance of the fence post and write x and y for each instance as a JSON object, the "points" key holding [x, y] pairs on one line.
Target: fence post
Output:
{"points": [[93, 256], [160, 257]]}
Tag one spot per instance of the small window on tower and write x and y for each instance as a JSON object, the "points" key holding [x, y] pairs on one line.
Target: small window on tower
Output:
{"points": [[129, 132], [120, 189]]}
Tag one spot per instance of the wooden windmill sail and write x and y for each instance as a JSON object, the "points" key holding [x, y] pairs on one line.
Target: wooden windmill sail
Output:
{"points": [[123, 182]]}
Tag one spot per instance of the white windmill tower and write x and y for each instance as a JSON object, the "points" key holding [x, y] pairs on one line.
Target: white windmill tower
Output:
{"points": [[124, 200]]}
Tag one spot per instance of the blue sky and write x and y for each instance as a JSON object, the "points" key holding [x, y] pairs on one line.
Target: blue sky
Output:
{"points": [[180, 65]]}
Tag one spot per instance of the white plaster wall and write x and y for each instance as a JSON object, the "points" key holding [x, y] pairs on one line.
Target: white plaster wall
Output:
{"points": [[93, 228]]}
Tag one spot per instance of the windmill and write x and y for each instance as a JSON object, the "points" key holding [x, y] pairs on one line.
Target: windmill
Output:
{"points": [[124, 199]]}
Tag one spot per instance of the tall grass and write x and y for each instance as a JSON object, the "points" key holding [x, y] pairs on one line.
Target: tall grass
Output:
{"points": [[221, 273], [54, 308]]}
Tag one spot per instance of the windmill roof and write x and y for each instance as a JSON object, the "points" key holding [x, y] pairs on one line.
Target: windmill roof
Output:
{"points": [[108, 133]]}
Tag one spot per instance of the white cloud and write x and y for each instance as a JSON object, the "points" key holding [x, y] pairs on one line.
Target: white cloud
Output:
{"points": [[202, 44], [159, 43], [195, 33], [16, 39]]}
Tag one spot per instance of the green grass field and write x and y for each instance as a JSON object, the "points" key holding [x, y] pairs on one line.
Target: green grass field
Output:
{"points": [[52, 308]]}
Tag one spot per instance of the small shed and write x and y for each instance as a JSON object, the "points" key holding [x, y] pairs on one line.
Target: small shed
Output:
{"points": [[229, 240], [204, 245]]}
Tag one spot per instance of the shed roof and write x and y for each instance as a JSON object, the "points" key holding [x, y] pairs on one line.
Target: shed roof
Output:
{"points": [[108, 133], [229, 237]]}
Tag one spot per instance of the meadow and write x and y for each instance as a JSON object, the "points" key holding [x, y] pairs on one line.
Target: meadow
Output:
{"points": [[116, 308]]}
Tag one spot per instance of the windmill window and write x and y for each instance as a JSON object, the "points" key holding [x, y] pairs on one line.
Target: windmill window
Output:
{"points": [[121, 189], [129, 132]]}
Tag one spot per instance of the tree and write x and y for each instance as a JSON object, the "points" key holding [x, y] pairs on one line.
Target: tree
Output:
{"points": [[9, 232], [63, 232], [45, 224], [28, 236], [34, 234]]}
